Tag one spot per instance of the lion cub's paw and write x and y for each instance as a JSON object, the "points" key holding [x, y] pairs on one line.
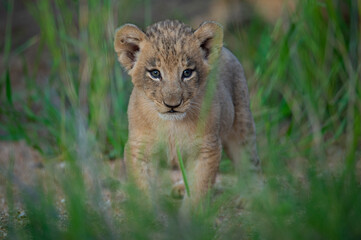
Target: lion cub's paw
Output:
{"points": [[178, 190]]}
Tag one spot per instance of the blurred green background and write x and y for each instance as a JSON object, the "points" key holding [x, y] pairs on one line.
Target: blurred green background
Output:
{"points": [[63, 122]]}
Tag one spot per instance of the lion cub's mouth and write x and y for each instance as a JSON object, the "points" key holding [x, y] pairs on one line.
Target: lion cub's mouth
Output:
{"points": [[172, 115]]}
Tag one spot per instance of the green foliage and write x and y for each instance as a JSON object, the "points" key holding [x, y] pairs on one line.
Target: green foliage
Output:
{"points": [[184, 175], [304, 78]]}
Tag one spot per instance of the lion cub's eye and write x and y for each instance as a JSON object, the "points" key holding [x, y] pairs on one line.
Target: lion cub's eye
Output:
{"points": [[187, 73], [155, 74]]}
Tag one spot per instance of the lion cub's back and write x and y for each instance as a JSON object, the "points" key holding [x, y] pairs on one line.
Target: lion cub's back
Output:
{"points": [[231, 72], [232, 90]]}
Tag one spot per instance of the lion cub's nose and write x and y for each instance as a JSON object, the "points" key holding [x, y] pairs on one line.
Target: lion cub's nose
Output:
{"points": [[172, 105]]}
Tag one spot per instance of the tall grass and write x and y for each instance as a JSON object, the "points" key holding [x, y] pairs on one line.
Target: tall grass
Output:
{"points": [[304, 76]]}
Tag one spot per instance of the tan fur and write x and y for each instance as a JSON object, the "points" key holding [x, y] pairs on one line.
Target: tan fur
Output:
{"points": [[171, 47]]}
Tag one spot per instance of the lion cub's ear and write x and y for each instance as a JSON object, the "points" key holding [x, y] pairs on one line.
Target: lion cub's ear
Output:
{"points": [[210, 36], [127, 44]]}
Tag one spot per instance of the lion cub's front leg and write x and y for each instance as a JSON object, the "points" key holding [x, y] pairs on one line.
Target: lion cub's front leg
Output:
{"points": [[203, 170], [139, 166]]}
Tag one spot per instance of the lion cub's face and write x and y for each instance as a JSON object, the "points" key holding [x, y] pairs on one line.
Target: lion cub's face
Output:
{"points": [[169, 62]]}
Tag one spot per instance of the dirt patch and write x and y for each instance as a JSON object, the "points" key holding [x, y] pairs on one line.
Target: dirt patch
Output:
{"points": [[18, 162]]}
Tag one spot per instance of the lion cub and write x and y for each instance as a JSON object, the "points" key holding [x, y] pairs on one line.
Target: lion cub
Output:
{"points": [[169, 65]]}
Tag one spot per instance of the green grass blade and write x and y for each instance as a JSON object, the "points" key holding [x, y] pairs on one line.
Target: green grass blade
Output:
{"points": [[184, 175], [8, 88]]}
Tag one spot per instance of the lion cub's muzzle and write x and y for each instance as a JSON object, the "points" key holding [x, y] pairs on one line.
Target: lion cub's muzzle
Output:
{"points": [[173, 106], [174, 110]]}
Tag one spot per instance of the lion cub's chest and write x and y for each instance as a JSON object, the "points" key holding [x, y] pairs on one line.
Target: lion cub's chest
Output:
{"points": [[177, 134]]}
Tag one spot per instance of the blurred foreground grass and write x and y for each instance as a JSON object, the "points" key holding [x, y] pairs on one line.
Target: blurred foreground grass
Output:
{"points": [[304, 77]]}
